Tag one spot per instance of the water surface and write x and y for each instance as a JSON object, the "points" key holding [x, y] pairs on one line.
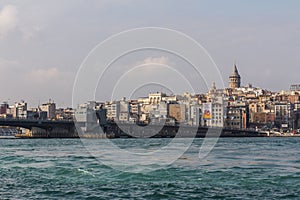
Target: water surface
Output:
{"points": [[237, 168]]}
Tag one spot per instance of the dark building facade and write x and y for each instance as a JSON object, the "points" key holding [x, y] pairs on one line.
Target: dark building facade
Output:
{"points": [[237, 117]]}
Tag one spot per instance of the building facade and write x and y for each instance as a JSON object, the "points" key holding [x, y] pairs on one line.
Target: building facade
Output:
{"points": [[237, 116], [50, 108]]}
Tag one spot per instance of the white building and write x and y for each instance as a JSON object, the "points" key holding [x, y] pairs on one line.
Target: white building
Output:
{"points": [[158, 112], [195, 115], [163, 109], [113, 110], [218, 105], [50, 108], [85, 116], [18, 110], [118, 110], [250, 89], [281, 112], [156, 98], [124, 110]]}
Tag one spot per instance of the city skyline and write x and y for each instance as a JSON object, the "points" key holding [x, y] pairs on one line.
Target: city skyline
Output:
{"points": [[44, 43], [147, 91], [149, 99], [235, 107], [234, 80]]}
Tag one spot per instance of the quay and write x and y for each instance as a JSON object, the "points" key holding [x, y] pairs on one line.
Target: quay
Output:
{"points": [[169, 131], [36, 128], [67, 129]]}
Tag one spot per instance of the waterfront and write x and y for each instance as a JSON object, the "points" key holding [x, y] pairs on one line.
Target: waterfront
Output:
{"points": [[241, 168]]}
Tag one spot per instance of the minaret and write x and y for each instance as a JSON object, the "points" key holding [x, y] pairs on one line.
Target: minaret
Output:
{"points": [[234, 79], [213, 88]]}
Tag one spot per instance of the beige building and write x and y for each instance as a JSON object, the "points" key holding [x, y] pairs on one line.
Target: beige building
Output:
{"points": [[156, 98], [177, 111]]}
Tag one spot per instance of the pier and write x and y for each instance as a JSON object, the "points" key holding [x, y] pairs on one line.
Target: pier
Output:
{"points": [[124, 130], [37, 128], [66, 129]]}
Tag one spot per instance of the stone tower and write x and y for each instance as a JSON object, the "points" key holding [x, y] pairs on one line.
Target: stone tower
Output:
{"points": [[234, 79]]}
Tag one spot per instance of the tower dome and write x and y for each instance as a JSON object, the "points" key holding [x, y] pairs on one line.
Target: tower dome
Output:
{"points": [[234, 79]]}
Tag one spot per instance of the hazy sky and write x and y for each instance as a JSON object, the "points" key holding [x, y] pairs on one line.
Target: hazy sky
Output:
{"points": [[43, 43]]}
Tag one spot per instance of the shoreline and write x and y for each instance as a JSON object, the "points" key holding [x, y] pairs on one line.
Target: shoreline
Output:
{"points": [[90, 137]]}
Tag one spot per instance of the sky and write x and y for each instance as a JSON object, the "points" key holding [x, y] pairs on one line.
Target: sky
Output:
{"points": [[44, 43]]}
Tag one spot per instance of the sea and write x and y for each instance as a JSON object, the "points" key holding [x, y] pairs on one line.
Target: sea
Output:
{"points": [[227, 168]]}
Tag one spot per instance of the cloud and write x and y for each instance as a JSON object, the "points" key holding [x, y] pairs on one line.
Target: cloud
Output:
{"points": [[152, 65], [43, 75], [29, 33], [8, 20], [159, 60], [5, 63], [7, 68]]}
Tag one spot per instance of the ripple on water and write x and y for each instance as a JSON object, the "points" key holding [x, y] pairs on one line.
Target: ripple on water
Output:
{"points": [[243, 168]]}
